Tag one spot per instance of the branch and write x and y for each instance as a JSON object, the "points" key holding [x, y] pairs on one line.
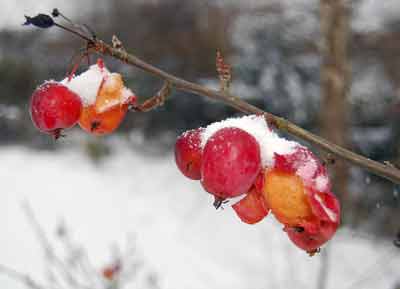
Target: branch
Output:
{"points": [[23, 278], [383, 170], [96, 45], [55, 262]]}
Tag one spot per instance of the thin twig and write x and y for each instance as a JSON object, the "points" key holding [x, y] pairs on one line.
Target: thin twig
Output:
{"points": [[23, 278], [383, 170], [48, 248]]}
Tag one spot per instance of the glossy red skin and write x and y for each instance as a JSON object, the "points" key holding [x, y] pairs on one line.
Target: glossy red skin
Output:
{"points": [[53, 107], [188, 153], [251, 209], [231, 162], [322, 229], [312, 241]]}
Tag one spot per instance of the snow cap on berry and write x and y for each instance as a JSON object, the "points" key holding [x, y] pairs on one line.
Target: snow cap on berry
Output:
{"points": [[270, 143], [88, 84]]}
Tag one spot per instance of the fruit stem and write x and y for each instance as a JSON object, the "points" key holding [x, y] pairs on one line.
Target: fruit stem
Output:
{"points": [[57, 133], [218, 202]]}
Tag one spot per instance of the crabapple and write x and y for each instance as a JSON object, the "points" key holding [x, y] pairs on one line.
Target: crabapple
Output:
{"points": [[230, 163], [54, 107], [312, 241], [188, 153], [297, 190], [112, 271], [102, 123], [111, 105], [252, 208]]}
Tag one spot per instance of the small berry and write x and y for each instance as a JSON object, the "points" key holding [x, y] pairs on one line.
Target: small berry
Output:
{"points": [[102, 123], [297, 190], [312, 241], [109, 109], [188, 153], [231, 162], [252, 208], [112, 271], [54, 107]]}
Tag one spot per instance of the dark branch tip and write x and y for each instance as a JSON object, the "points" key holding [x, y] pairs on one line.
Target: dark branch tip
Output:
{"points": [[55, 12], [40, 20]]}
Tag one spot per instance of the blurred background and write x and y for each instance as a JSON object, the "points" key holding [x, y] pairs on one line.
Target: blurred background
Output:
{"points": [[119, 202]]}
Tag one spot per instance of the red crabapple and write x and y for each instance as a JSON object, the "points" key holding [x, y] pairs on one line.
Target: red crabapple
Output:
{"points": [[231, 162], [188, 153], [252, 208], [312, 241], [54, 107]]}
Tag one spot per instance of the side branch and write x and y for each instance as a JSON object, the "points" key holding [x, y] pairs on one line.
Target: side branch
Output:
{"points": [[383, 170], [23, 278]]}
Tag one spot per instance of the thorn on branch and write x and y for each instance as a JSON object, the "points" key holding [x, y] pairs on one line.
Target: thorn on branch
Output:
{"points": [[224, 72], [328, 160], [117, 44], [155, 101], [389, 164]]}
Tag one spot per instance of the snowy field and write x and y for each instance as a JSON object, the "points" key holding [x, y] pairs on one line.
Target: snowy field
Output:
{"points": [[181, 237]]}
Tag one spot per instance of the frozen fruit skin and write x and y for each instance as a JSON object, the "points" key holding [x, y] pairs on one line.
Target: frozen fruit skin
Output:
{"points": [[54, 107], [306, 165], [252, 208], [231, 162], [188, 153]]}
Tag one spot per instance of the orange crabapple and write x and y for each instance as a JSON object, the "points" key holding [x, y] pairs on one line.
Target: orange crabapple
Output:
{"points": [[188, 153], [297, 190], [112, 103], [286, 197]]}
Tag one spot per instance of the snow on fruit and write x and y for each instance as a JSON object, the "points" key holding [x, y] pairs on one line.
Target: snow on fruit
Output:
{"points": [[105, 99], [244, 157], [96, 99], [53, 107]]}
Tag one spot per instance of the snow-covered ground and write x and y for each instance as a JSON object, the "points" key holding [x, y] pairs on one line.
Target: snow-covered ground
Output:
{"points": [[181, 237]]}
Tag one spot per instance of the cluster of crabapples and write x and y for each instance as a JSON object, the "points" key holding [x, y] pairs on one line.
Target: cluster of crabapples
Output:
{"points": [[96, 99], [244, 157]]}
